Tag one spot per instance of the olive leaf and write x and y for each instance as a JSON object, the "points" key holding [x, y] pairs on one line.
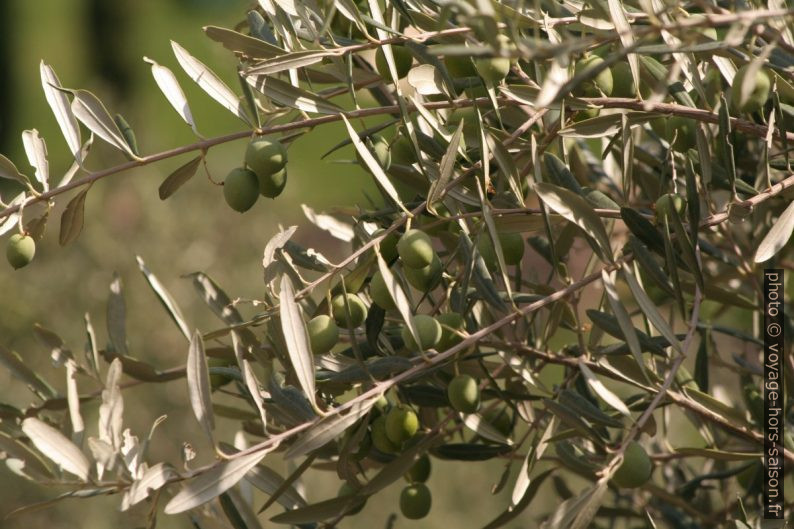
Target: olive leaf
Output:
{"points": [[249, 46], [210, 484], [576, 209], [169, 86], [329, 428], [291, 96], [397, 294], [777, 237], [373, 165], [72, 218], [31, 464], [73, 400], [601, 390], [297, 338], [649, 309], [165, 298], [92, 113], [622, 315], [57, 447], [152, 480], [288, 61], [209, 82], [36, 151], [59, 103], [198, 384], [9, 171], [179, 177], [269, 481]]}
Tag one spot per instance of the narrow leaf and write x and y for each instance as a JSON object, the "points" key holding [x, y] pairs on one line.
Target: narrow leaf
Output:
{"points": [[9, 171], [59, 103], [93, 114], [214, 482], [57, 447], [601, 390], [777, 237], [297, 338], [209, 82], [649, 309], [36, 151], [179, 177], [169, 85], [198, 384], [165, 298], [291, 96], [72, 218]]}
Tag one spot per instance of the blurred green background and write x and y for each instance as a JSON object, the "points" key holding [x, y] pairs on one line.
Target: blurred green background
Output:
{"points": [[98, 45]]}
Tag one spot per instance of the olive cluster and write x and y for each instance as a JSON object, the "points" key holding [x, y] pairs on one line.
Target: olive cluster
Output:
{"points": [[264, 173]]}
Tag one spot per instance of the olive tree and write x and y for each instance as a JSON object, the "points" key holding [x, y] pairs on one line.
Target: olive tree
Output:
{"points": [[566, 187]]}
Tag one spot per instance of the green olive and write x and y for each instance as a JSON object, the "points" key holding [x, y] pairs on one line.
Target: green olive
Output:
{"points": [[420, 470], [403, 59], [635, 469], [667, 203], [358, 504], [218, 380], [460, 66], [402, 152], [272, 185], [379, 293], [379, 148], [265, 156], [401, 424], [623, 81], [759, 90], [358, 311], [679, 131], [416, 249], [596, 86], [492, 69], [323, 333], [241, 189], [449, 320], [427, 278], [429, 333], [415, 501], [388, 245], [463, 393], [20, 250], [512, 248], [499, 418], [380, 440]]}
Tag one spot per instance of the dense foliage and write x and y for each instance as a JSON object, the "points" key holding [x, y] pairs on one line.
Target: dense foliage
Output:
{"points": [[577, 200]]}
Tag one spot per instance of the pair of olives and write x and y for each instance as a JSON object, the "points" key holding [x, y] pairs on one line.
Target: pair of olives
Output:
{"points": [[20, 250], [265, 173], [348, 311], [492, 70]]}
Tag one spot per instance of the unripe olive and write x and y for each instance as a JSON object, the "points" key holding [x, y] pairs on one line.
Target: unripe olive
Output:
{"points": [[427, 278], [241, 189], [20, 250], [415, 501], [402, 152], [323, 333], [271, 185], [379, 293], [401, 424], [460, 66], [388, 245], [464, 394], [587, 113], [379, 148], [492, 69], [429, 333], [512, 248], [216, 379], [452, 320], [635, 469], [265, 156], [402, 60], [416, 249], [499, 418], [358, 311], [622, 81], [667, 203], [347, 490], [683, 129], [420, 470], [380, 440], [759, 92], [595, 86]]}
